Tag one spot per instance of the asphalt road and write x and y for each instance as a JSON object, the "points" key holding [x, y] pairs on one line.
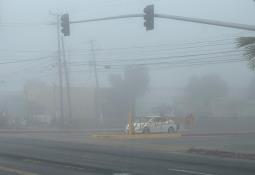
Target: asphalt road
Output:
{"points": [[22, 154]]}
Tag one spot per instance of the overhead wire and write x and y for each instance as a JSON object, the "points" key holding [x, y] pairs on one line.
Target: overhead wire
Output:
{"points": [[141, 49], [186, 63], [145, 57], [25, 24], [184, 59], [160, 58], [25, 60], [112, 50], [27, 64], [133, 55]]}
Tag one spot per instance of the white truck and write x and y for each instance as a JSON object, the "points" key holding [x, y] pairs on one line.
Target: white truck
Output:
{"points": [[154, 124]]}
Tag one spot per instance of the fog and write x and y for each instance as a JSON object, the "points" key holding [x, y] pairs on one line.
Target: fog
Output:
{"points": [[126, 87], [201, 75]]}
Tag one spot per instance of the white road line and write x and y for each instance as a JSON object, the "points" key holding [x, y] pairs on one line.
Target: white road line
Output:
{"points": [[189, 172]]}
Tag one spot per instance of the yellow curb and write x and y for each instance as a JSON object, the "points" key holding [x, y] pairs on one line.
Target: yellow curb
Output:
{"points": [[136, 136]]}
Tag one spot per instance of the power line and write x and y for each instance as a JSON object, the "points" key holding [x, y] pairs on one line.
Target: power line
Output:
{"points": [[170, 57], [186, 62], [24, 24], [148, 52], [164, 65], [18, 72], [183, 63], [25, 60], [136, 53], [167, 66], [172, 46], [201, 64], [155, 47], [164, 45], [25, 51]]}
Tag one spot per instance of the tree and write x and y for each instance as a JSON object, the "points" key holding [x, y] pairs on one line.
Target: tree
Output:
{"points": [[136, 80], [251, 90], [248, 43], [207, 88], [203, 92], [128, 88]]}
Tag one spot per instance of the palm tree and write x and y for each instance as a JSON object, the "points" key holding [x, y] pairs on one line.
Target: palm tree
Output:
{"points": [[248, 44]]}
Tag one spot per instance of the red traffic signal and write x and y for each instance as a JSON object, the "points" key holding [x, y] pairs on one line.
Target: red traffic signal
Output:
{"points": [[149, 17]]}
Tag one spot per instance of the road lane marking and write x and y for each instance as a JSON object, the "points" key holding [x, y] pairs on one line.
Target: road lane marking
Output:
{"points": [[32, 161], [16, 171], [73, 167], [189, 171]]}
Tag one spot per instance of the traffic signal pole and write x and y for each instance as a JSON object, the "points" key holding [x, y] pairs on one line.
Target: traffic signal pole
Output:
{"points": [[67, 81]]}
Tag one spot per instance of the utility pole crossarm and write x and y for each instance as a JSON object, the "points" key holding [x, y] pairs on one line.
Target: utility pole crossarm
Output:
{"points": [[108, 18], [209, 22]]}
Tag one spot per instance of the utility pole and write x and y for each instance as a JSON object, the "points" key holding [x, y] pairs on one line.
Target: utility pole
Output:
{"points": [[27, 105], [96, 94], [61, 101], [55, 101], [69, 102]]}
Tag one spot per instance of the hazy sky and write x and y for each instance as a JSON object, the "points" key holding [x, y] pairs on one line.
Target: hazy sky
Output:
{"points": [[25, 35]]}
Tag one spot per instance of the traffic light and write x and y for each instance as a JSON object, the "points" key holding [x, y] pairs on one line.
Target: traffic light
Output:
{"points": [[65, 24], [149, 17]]}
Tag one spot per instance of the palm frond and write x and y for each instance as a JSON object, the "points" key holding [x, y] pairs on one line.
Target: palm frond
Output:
{"points": [[251, 64], [245, 41], [248, 45], [249, 52]]}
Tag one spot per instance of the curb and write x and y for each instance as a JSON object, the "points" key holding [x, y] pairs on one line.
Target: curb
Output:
{"points": [[220, 153], [217, 134], [137, 136]]}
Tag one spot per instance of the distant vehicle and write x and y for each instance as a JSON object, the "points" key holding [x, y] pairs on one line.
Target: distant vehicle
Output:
{"points": [[154, 124]]}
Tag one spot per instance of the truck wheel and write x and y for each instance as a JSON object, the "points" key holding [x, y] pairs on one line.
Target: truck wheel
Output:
{"points": [[171, 130]]}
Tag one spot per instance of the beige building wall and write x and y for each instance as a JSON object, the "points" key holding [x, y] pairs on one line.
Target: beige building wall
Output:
{"points": [[47, 99]]}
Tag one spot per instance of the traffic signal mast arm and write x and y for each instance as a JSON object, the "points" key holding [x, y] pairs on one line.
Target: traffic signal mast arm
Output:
{"points": [[149, 20], [108, 18], [208, 22]]}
